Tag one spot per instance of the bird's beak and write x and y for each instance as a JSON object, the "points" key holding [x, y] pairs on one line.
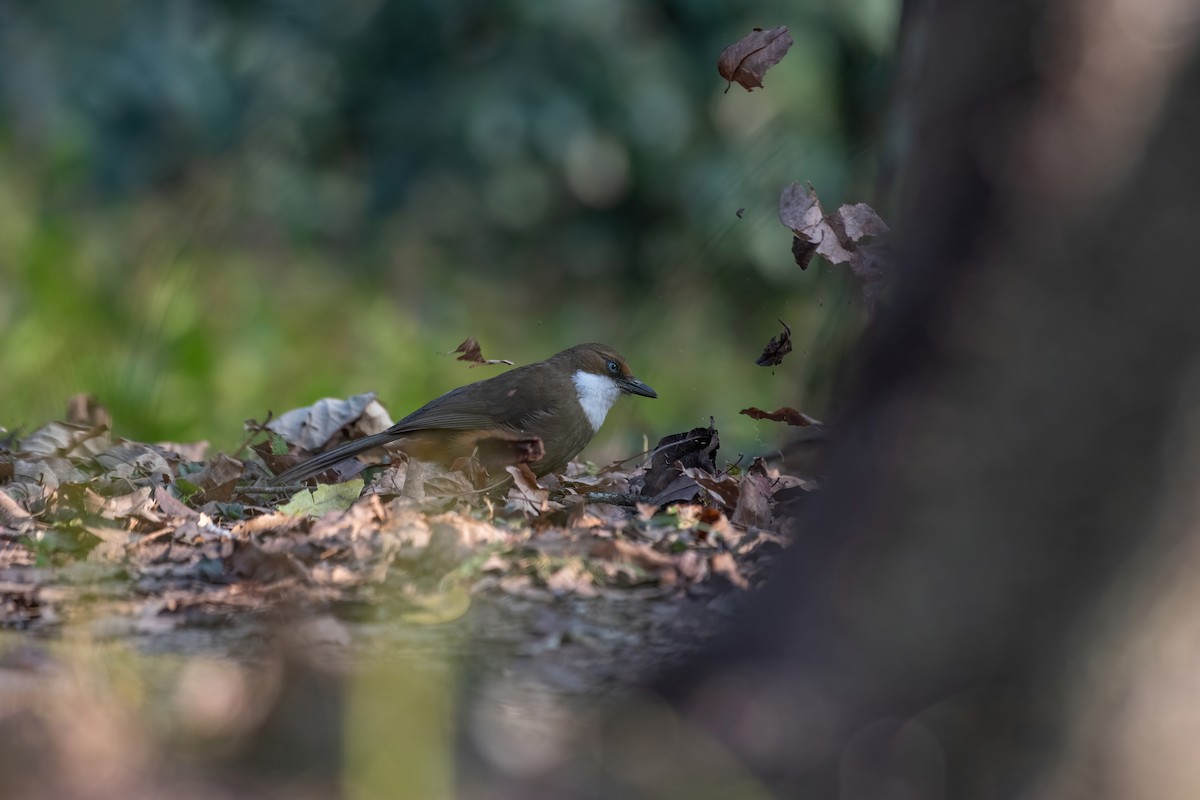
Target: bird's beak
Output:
{"points": [[634, 386]]}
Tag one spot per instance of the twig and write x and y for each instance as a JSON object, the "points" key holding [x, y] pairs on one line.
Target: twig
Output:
{"points": [[290, 487], [613, 498]]}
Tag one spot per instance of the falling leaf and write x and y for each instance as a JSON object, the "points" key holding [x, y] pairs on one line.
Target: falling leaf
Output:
{"points": [[785, 414], [470, 352], [747, 60], [777, 348], [853, 235]]}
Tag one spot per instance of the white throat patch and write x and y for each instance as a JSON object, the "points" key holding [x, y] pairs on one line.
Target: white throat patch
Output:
{"points": [[597, 393]]}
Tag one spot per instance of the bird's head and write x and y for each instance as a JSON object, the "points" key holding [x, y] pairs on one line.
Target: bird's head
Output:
{"points": [[600, 375]]}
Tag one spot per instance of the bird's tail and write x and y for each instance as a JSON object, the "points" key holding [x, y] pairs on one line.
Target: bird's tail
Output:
{"points": [[324, 461]]}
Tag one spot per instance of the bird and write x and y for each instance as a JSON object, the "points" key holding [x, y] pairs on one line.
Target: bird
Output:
{"points": [[562, 401]]}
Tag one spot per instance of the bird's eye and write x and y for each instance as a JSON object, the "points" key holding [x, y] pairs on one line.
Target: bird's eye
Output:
{"points": [[612, 367]]}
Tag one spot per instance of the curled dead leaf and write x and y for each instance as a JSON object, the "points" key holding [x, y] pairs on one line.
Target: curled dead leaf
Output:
{"points": [[525, 494], [777, 348], [747, 60]]}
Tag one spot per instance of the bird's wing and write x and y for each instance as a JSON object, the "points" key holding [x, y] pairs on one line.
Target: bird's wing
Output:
{"points": [[505, 401]]}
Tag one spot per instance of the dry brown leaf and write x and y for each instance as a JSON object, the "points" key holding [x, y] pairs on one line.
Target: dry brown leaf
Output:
{"points": [[754, 502], [777, 348], [724, 565], [785, 414], [436, 488], [615, 483], [636, 553], [747, 60], [722, 488], [172, 506], [471, 353], [275, 522], [219, 478], [130, 460], [60, 438], [526, 495], [139, 503], [13, 515]]}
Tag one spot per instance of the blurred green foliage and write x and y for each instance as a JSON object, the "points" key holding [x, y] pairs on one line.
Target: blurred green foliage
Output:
{"points": [[212, 208]]}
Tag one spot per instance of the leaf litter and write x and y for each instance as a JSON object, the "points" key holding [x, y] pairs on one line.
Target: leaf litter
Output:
{"points": [[187, 542]]}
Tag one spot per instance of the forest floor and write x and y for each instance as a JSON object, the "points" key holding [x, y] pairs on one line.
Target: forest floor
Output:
{"points": [[159, 606]]}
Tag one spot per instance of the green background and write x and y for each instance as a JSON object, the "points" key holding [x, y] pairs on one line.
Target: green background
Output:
{"points": [[209, 209]]}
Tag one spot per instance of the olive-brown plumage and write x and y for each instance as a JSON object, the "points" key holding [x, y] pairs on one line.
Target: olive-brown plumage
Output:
{"points": [[562, 401]]}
